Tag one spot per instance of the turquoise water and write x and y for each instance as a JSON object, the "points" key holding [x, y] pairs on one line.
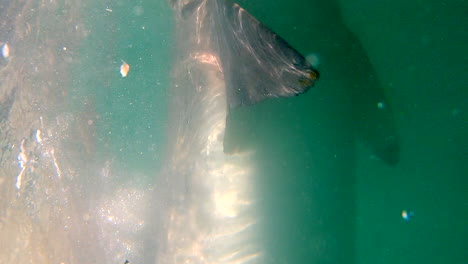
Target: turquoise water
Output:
{"points": [[133, 110], [325, 195]]}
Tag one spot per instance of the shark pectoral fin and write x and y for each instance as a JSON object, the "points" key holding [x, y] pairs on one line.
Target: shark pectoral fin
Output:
{"points": [[376, 126], [372, 112], [257, 63], [390, 151]]}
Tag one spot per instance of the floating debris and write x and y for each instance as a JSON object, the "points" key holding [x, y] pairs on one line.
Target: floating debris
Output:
{"points": [[5, 50], [124, 68]]}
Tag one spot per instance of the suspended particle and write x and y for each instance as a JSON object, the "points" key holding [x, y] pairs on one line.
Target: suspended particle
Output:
{"points": [[407, 215], [313, 59]]}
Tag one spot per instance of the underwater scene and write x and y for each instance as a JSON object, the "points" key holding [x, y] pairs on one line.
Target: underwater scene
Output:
{"points": [[220, 131]]}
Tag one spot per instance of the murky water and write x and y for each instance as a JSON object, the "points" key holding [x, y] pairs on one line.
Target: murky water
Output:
{"points": [[82, 147]]}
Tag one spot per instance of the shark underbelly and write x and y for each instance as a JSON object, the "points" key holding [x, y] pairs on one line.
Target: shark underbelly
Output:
{"points": [[211, 217]]}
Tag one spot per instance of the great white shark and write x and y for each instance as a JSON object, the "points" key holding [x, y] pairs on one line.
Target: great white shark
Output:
{"points": [[225, 59], [204, 206]]}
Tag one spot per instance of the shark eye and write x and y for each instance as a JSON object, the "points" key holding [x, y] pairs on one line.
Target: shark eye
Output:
{"points": [[312, 76]]}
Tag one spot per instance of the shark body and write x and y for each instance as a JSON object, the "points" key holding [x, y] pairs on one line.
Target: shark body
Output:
{"points": [[225, 59]]}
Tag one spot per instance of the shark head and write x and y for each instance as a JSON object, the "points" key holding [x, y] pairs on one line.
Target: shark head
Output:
{"points": [[225, 59]]}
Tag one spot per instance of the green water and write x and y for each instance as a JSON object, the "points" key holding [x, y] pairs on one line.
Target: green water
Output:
{"points": [[315, 167], [325, 197]]}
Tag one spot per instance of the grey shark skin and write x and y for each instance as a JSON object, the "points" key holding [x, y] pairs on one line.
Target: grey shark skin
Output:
{"points": [[225, 59]]}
